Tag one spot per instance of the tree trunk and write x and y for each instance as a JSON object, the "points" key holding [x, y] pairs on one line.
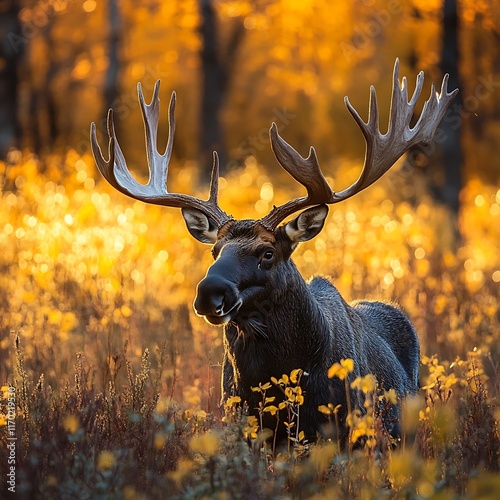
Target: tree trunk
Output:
{"points": [[451, 124], [10, 54], [217, 66], [115, 37], [44, 117]]}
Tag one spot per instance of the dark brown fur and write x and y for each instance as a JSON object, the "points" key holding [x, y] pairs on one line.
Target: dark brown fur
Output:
{"points": [[284, 323]]}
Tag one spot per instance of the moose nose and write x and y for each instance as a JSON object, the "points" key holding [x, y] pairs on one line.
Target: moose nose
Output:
{"points": [[215, 297]]}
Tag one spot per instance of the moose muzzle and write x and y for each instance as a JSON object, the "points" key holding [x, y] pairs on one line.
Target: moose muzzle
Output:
{"points": [[217, 299]]}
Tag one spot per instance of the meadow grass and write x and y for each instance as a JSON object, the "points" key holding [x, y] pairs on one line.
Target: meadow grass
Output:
{"points": [[117, 382]]}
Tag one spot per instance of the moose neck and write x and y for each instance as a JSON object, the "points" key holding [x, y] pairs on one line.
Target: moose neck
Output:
{"points": [[278, 331]]}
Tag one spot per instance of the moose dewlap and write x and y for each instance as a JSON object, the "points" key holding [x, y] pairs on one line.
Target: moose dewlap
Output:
{"points": [[274, 321]]}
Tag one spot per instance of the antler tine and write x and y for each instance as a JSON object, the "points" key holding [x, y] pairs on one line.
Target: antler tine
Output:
{"points": [[115, 169], [157, 163], [382, 150], [214, 180], [114, 153], [100, 161], [304, 170]]}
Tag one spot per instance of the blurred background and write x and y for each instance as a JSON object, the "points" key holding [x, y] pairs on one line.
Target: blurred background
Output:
{"points": [[239, 65], [97, 329]]}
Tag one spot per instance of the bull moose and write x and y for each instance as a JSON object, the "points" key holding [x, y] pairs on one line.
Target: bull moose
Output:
{"points": [[274, 321]]}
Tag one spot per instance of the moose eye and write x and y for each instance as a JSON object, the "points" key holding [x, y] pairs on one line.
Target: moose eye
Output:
{"points": [[266, 259], [268, 255]]}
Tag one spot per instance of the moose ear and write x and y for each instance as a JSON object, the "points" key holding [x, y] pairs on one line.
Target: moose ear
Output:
{"points": [[200, 226], [307, 225]]}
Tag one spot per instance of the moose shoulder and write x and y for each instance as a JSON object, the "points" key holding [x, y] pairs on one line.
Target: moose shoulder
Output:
{"points": [[274, 321]]}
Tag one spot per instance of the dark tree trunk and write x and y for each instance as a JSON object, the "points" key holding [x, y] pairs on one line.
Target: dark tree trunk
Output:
{"points": [[217, 66], [42, 124], [451, 124], [44, 120], [49, 96], [213, 83], [115, 37], [10, 55]]}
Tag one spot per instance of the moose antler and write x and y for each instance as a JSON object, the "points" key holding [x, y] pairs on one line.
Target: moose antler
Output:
{"points": [[382, 150], [155, 191]]}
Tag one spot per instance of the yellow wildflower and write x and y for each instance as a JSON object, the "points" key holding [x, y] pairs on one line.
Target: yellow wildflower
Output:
{"points": [[206, 443], [71, 424], [342, 369], [106, 460], [366, 384]]}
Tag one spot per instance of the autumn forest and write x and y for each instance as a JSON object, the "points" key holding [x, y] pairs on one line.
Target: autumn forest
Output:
{"points": [[110, 381]]}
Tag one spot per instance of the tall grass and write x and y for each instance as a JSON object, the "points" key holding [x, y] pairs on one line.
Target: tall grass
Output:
{"points": [[117, 383]]}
